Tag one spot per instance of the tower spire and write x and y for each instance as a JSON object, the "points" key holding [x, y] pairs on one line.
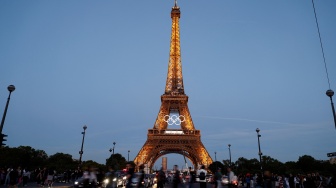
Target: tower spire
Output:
{"points": [[165, 137], [174, 83]]}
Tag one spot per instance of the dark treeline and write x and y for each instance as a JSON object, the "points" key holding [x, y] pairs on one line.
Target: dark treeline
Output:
{"points": [[304, 165], [30, 158]]}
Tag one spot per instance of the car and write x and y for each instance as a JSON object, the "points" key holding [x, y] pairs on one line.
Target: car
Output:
{"points": [[80, 182], [135, 179], [225, 180], [121, 181], [59, 177], [117, 181], [114, 182], [234, 181], [208, 178], [149, 180]]}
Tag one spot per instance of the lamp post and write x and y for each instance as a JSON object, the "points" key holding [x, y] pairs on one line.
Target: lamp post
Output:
{"points": [[128, 155], [81, 151], [330, 93], [10, 88], [215, 156], [258, 130], [112, 149], [216, 160], [230, 152]]}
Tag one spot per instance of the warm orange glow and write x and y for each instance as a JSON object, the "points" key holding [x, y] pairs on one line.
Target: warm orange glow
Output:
{"points": [[185, 140]]}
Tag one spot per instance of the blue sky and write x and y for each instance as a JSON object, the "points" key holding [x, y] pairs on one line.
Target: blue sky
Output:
{"points": [[246, 64]]}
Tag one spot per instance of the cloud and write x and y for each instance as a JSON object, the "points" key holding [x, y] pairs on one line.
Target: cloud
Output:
{"points": [[250, 120]]}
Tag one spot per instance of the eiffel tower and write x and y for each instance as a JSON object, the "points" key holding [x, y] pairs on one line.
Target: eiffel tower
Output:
{"points": [[162, 140]]}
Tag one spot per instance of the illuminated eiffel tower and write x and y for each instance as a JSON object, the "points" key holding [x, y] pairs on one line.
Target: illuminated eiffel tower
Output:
{"points": [[185, 140]]}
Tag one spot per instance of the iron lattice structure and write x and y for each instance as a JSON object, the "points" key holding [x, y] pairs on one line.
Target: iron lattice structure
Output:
{"points": [[162, 140]]}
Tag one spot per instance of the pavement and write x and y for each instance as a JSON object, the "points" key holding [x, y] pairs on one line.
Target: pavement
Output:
{"points": [[34, 185]]}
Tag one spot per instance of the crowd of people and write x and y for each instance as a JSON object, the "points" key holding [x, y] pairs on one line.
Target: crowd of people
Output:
{"points": [[258, 180], [17, 176], [271, 180], [46, 176]]}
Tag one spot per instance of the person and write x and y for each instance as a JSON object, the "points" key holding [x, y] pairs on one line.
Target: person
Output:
{"points": [[13, 176], [309, 183], [161, 177], [176, 177], [230, 175], [93, 177], [248, 180], [291, 180], [86, 177], [110, 175], [44, 176], [7, 180], [192, 177], [19, 179], [130, 174], [201, 173], [268, 179], [142, 176], [332, 182], [26, 177], [50, 177], [259, 180], [218, 178]]}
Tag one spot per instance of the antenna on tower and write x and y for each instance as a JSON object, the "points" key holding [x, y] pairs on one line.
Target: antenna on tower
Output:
{"points": [[175, 3], [329, 92]]}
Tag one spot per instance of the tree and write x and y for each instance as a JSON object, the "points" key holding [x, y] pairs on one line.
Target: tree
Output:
{"points": [[61, 162], [243, 166], [90, 163], [24, 156], [215, 165], [271, 164], [291, 167], [307, 163], [117, 161], [31, 158]]}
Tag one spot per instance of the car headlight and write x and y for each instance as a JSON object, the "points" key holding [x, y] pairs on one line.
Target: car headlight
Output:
{"points": [[76, 182], [106, 181], [114, 179], [124, 178]]}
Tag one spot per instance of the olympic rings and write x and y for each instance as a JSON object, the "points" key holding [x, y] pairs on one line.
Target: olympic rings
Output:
{"points": [[174, 119]]}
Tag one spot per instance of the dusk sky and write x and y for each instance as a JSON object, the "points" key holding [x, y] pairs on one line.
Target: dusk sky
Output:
{"points": [[247, 64]]}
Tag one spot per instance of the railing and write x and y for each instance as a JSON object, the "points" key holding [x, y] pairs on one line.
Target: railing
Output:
{"points": [[173, 132]]}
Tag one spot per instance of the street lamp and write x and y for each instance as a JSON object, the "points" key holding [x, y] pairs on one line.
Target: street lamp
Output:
{"points": [[10, 88], [258, 130], [230, 152], [128, 155], [81, 151], [112, 149], [216, 160], [330, 93], [215, 156]]}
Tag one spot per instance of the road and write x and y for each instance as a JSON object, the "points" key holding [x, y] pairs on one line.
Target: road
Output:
{"points": [[195, 185], [69, 185]]}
